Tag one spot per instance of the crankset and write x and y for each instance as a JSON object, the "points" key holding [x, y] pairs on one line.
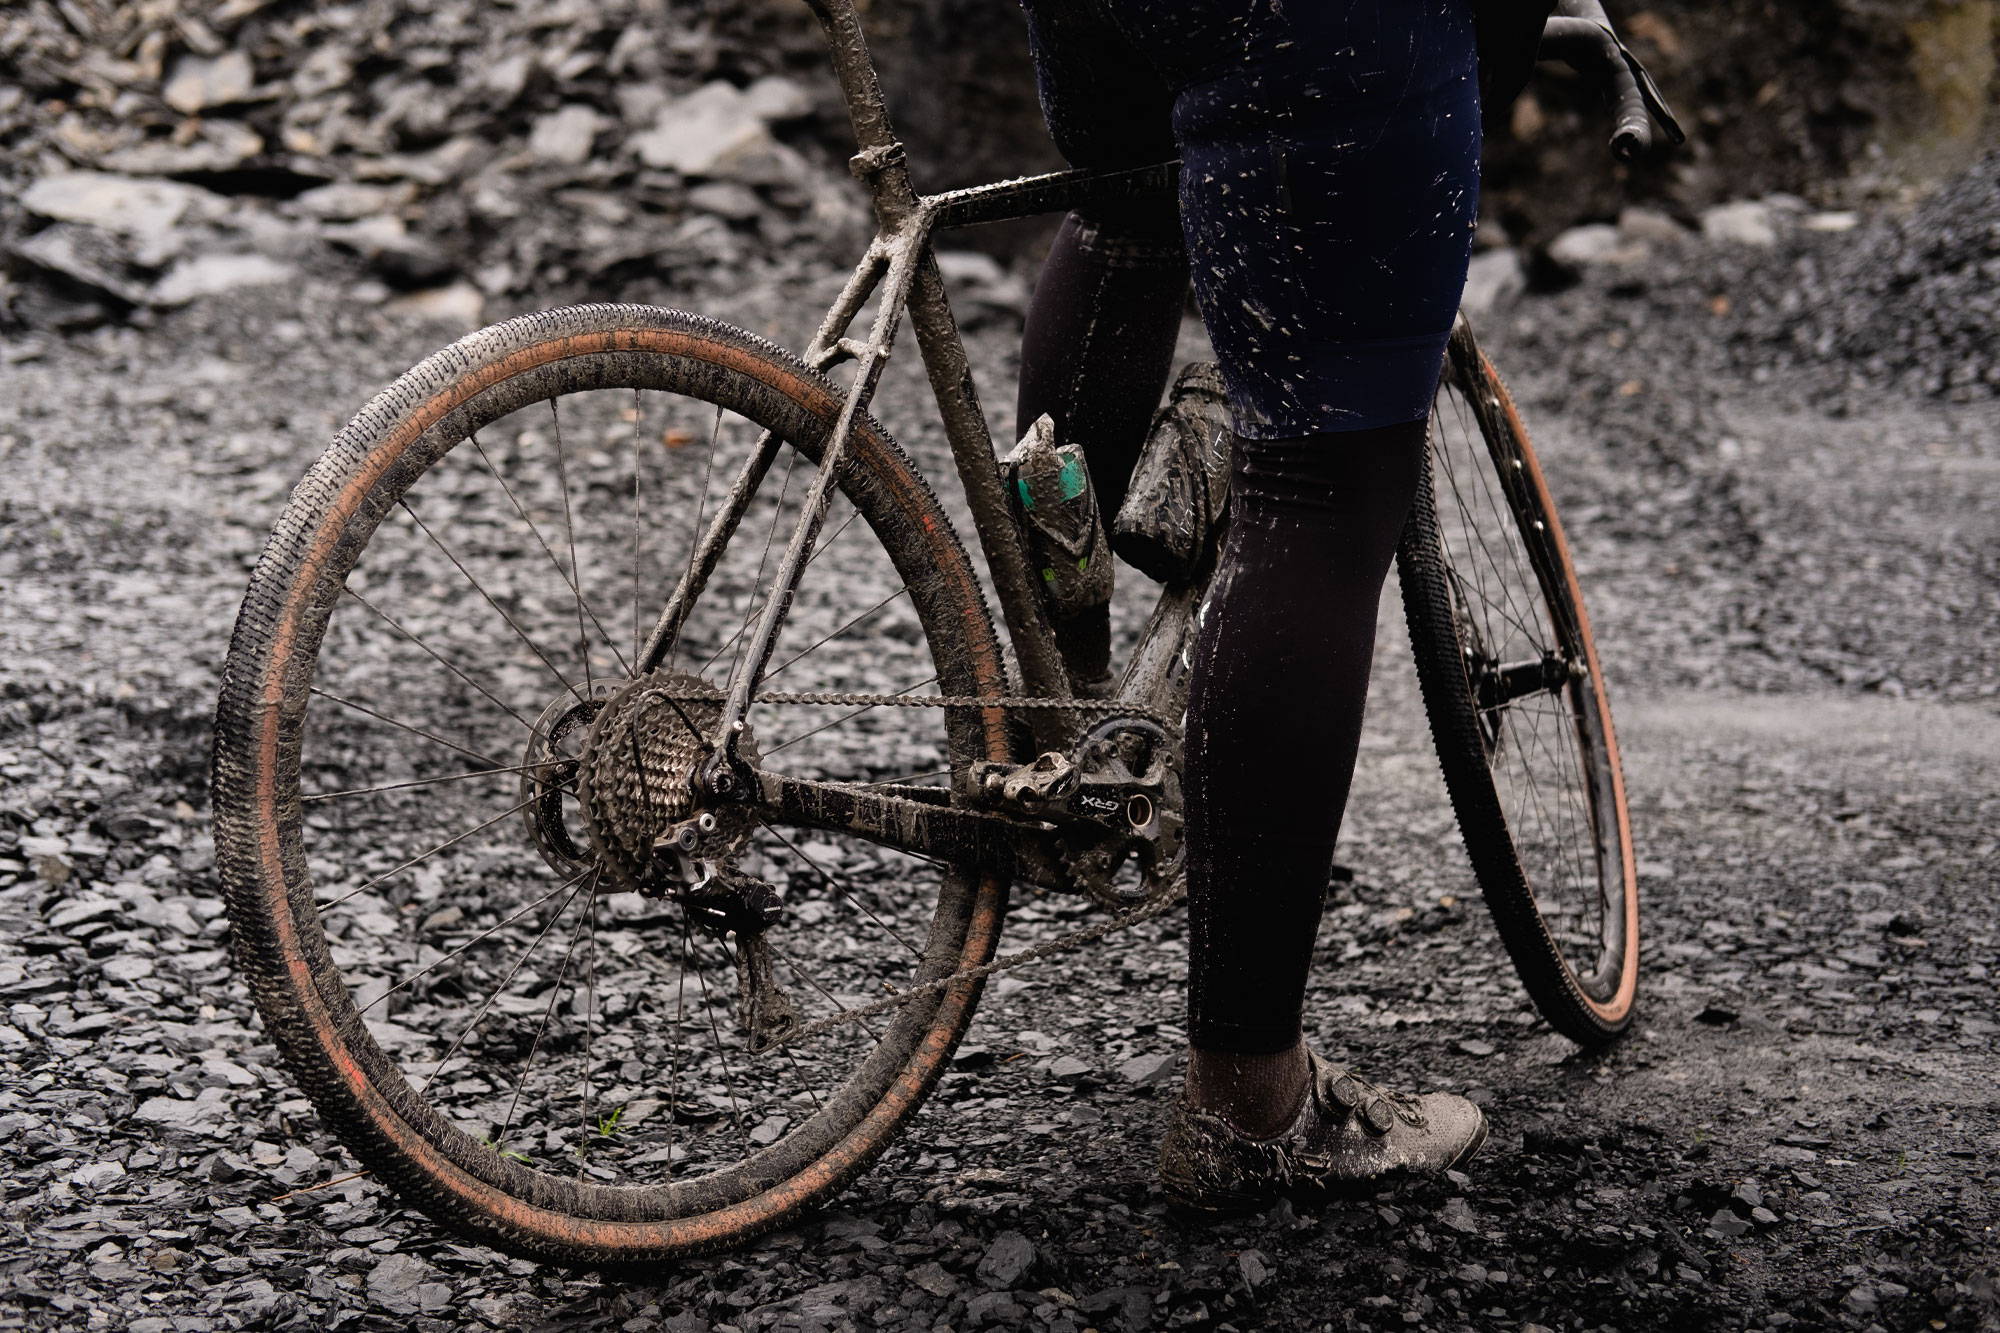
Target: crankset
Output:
{"points": [[1117, 795]]}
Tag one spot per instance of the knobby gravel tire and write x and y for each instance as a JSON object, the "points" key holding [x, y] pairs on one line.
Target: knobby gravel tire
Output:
{"points": [[277, 936], [1589, 1005]]}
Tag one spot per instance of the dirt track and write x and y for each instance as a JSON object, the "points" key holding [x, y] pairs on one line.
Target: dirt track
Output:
{"points": [[1796, 612]]}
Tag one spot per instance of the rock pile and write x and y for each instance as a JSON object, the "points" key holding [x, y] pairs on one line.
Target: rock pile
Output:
{"points": [[163, 151], [1924, 293], [1816, 303]]}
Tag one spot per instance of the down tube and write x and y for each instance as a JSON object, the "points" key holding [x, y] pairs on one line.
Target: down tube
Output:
{"points": [[943, 352]]}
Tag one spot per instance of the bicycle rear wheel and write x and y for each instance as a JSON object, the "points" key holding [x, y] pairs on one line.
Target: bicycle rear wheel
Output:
{"points": [[1517, 706], [421, 753]]}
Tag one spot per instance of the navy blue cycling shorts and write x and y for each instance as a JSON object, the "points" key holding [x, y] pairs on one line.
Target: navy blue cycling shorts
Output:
{"points": [[1329, 184]]}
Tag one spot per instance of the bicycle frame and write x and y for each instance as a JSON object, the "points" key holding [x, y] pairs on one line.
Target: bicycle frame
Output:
{"points": [[901, 267]]}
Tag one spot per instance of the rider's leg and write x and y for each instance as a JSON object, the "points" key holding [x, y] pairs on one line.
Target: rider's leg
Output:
{"points": [[1274, 721], [1099, 342], [1095, 357], [1329, 187]]}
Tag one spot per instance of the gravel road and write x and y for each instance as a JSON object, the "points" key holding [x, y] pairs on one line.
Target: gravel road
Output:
{"points": [[1791, 554]]}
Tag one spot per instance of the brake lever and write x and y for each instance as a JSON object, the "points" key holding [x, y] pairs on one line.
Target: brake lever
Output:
{"points": [[1591, 46]]}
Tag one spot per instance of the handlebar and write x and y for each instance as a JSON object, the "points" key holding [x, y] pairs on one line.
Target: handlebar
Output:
{"points": [[1581, 36]]}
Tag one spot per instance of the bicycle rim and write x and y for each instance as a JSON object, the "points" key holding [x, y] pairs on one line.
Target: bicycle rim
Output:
{"points": [[448, 617], [1519, 709]]}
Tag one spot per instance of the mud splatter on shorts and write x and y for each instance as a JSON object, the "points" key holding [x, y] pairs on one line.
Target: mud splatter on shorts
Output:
{"points": [[1329, 188]]}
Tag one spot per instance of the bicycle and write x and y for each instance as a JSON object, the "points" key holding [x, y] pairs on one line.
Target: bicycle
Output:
{"points": [[412, 796]]}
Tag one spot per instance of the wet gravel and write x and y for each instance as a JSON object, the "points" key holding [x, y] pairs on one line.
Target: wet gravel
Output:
{"points": [[1776, 462]]}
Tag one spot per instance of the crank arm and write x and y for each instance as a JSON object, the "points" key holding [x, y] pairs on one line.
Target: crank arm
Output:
{"points": [[969, 839]]}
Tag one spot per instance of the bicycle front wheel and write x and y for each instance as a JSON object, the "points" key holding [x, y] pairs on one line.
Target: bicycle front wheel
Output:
{"points": [[425, 813], [1518, 709]]}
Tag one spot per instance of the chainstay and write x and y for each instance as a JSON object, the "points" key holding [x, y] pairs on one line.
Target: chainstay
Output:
{"points": [[1005, 963]]}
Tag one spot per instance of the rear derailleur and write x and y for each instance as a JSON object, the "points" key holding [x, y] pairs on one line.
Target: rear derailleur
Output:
{"points": [[1116, 796], [718, 902]]}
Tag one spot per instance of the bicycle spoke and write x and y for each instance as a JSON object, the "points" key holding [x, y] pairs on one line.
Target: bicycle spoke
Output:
{"points": [[480, 588], [763, 558], [548, 1013], [569, 527], [416, 782], [1482, 464], [805, 1079], [1475, 530], [504, 982], [847, 717], [438, 657], [674, 1051], [813, 981], [1477, 538], [772, 675], [715, 1029], [589, 1037], [694, 531], [405, 726], [839, 886], [744, 627], [912, 778], [542, 542], [499, 925], [638, 498], [425, 856]]}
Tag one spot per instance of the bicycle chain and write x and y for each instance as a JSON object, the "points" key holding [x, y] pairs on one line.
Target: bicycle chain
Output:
{"points": [[844, 700]]}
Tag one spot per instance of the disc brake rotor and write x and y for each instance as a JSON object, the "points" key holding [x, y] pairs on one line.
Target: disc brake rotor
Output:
{"points": [[548, 776]]}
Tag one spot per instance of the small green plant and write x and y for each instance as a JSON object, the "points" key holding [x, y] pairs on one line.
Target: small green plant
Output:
{"points": [[608, 1125], [505, 1152]]}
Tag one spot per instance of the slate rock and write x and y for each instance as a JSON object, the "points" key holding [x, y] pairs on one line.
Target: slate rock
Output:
{"points": [[113, 202], [777, 98], [1007, 1260], [198, 82], [1068, 1069], [1457, 1214], [1727, 1225], [1747, 222], [713, 131], [1493, 278], [1594, 243], [1145, 1070], [396, 1282], [87, 258], [212, 275], [995, 1307], [565, 135]]}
